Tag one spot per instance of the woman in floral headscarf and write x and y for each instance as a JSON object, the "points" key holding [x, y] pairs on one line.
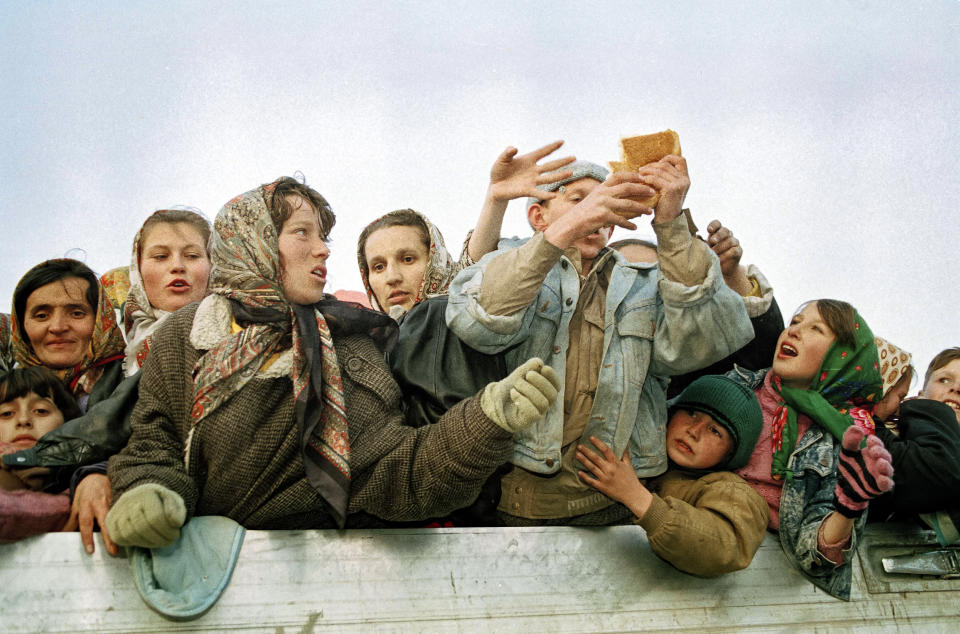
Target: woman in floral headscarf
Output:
{"points": [[169, 268], [62, 320], [270, 402], [809, 466]]}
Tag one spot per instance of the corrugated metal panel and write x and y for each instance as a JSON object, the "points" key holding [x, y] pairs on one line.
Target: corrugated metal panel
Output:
{"points": [[459, 579]]}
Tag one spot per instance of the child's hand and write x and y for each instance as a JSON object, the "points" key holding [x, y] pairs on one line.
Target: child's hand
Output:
{"points": [[91, 502], [515, 176], [727, 247], [862, 474], [614, 478]]}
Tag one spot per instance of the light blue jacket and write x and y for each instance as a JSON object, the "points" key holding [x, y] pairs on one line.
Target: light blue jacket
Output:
{"points": [[807, 499], [653, 328]]}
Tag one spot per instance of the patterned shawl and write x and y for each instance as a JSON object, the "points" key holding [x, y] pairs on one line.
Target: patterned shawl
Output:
{"points": [[116, 284], [440, 271], [106, 345], [847, 385], [894, 363], [246, 269], [6, 353]]}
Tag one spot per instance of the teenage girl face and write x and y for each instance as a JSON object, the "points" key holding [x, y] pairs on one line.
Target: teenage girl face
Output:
{"points": [[801, 348], [396, 261], [25, 419], [59, 322], [696, 441], [303, 254], [174, 265], [944, 386]]}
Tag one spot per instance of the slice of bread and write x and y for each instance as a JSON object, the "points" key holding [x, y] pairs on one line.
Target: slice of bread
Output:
{"points": [[618, 166], [637, 151], [648, 148]]}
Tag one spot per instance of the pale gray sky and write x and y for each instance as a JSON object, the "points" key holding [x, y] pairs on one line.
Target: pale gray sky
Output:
{"points": [[825, 134]]}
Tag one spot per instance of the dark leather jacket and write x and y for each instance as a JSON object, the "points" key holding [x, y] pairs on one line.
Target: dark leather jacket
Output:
{"points": [[434, 368], [435, 371], [94, 437]]}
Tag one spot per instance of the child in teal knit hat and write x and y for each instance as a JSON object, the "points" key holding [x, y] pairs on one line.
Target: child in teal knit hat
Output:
{"points": [[699, 516]]}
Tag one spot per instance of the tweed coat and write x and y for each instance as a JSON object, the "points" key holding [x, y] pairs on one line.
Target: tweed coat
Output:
{"points": [[244, 459]]}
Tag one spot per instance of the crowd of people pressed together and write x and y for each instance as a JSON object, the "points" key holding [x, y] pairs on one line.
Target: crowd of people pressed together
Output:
{"points": [[552, 380]]}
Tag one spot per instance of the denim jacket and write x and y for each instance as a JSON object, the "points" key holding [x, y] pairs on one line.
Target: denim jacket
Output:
{"points": [[653, 328], [807, 499]]}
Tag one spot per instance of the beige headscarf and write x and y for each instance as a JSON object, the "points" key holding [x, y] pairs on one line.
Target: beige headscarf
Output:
{"points": [[894, 363], [440, 270]]}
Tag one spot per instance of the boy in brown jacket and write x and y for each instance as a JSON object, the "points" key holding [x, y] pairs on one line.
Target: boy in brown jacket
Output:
{"points": [[698, 515]]}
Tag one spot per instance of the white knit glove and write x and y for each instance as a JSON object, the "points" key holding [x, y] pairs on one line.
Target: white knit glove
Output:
{"points": [[515, 402], [149, 516]]}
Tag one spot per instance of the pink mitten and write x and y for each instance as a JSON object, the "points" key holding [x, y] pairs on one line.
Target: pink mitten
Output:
{"points": [[862, 474]]}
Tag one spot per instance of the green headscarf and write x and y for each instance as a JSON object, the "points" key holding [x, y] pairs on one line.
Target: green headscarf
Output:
{"points": [[847, 384]]}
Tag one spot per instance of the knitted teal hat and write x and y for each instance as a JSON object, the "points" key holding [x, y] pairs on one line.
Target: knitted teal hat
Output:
{"points": [[732, 405]]}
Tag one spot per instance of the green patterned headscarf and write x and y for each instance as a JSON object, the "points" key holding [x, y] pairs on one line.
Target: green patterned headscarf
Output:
{"points": [[847, 385]]}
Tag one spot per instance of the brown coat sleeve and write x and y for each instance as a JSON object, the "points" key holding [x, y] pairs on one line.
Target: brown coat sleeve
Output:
{"points": [[154, 452], [406, 473], [706, 526]]}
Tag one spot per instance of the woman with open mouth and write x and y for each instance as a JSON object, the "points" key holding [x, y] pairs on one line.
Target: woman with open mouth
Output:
{"points": [[809, 465], [269, 402], [169, 268]]}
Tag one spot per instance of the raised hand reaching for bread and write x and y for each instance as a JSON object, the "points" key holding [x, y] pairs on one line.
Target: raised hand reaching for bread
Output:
{"points": [[588, 209], [727, 247], [515, 176], [669, 178]]}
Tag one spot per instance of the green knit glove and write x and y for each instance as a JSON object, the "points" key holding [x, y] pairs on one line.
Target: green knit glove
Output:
{"points": [[515, 402], [149, 516]]}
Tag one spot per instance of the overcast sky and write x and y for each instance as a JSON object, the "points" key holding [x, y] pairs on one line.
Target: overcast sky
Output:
{"points": [[825, 134]]}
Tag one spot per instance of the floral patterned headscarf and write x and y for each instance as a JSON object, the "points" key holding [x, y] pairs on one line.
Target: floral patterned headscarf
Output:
{"points": [[6, 354], [106, 343], [440, 270], [847, 385], [894, 363], [116, 284], [245, 260]]}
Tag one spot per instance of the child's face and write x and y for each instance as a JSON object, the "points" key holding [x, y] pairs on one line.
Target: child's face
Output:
{"points": [[801, 348], [25, 419], [944, 386], [696, 441]]}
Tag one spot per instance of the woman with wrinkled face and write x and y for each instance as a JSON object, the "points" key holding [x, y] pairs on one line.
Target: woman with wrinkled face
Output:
{"points": [[63, 321]]}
